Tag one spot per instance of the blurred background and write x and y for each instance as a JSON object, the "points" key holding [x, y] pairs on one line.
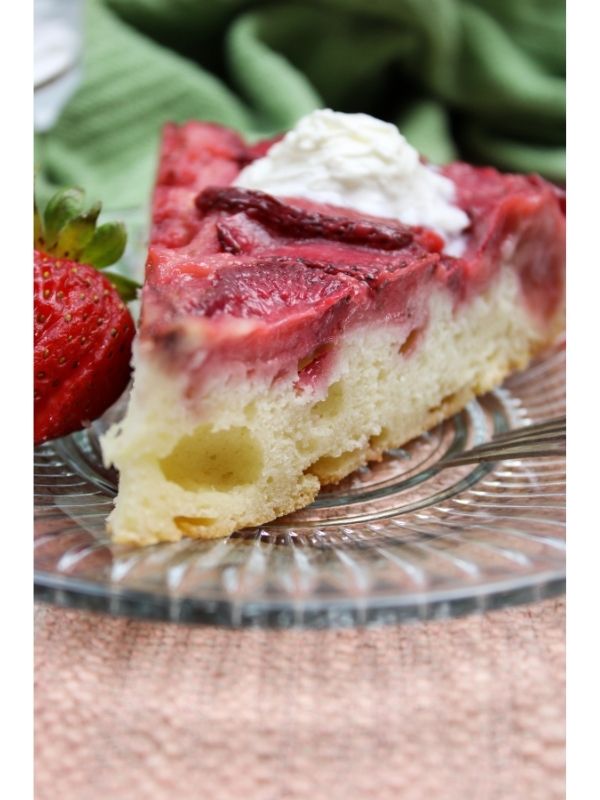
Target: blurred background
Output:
{"points": [[482, 80]]}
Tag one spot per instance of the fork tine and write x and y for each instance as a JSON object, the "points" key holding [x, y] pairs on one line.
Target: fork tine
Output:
{"points": [[553, 425], [499, 447], [548, 436], [498, 454], [520, 441], [544, 439]]}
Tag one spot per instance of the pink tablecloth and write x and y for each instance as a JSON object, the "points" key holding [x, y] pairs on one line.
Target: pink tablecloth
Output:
{"points": [[469, 709]]}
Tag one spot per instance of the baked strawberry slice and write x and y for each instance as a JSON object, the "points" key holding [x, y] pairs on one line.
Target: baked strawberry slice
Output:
{"points": [[82, 327]]}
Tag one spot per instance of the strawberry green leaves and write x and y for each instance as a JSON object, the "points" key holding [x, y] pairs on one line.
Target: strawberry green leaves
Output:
{"points": [[67, 230], [62, 207], [106, 246], [126, 287], [76, 234], [38, 227]]}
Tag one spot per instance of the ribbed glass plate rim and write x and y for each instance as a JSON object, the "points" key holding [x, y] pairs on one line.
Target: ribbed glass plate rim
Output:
{"points": [[91, 596]]}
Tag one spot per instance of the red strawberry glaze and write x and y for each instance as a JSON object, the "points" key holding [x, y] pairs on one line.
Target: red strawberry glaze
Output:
{"points": [[520, 218], [235, 276]]}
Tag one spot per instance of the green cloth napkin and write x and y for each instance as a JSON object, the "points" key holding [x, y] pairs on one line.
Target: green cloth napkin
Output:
{"points": [[483, 80]]}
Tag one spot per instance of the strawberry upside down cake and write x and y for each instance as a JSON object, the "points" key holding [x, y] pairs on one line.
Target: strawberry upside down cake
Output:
{"points": [[312, 301]]}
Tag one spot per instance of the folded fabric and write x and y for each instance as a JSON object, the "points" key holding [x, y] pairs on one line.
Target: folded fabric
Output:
{"points": [[480, 80]]}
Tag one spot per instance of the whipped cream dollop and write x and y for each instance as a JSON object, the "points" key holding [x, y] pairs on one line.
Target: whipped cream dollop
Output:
{"points": [[360, 162]]}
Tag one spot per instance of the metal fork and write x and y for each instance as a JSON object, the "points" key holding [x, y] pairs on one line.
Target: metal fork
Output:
{"points": [[543, 439]]}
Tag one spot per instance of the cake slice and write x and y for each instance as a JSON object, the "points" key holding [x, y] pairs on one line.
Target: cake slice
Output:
{"points": [[291, 331]]}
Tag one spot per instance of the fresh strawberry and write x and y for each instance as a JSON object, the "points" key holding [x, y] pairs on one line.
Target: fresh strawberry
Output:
{"points": [[82, 328]]}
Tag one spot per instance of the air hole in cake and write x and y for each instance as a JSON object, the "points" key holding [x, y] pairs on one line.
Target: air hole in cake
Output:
{"points": [[331, 405], [192, 526], [209, 459], [410, 342], [334, 467]]}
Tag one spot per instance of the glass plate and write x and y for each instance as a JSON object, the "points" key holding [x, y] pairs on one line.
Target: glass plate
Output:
{"points": [[398, 540]]}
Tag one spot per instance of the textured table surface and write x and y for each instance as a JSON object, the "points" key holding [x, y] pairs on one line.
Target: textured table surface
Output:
{"points": [[452, 710]]}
